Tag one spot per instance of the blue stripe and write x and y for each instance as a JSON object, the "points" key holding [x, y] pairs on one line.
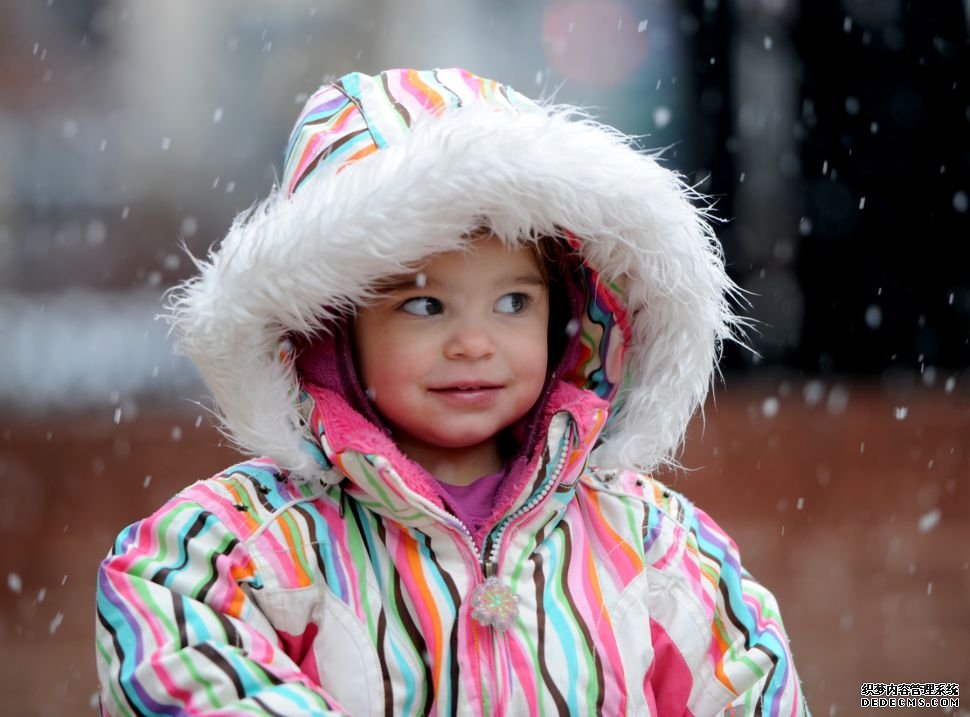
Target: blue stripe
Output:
{"points": [[410, 678], [351, 85], [422, 540], [561, 622], [326, 112]]}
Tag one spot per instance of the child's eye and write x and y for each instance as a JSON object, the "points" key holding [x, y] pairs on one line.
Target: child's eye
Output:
{"points": [[422, 306], [513, 303]]}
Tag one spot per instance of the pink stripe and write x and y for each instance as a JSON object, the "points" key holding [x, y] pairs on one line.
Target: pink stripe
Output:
{"points": [[341, 541], [672, 551], [621, 571], [321, 136], [148, 619], [280, 556], [765, 624], [581, 576], [416, 100], [165, 677], [669, 679], [475, 83], [399, 548], [522, 665]]}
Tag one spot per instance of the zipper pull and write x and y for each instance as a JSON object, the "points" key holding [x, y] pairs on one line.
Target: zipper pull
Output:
{"points": [[494, 604]]}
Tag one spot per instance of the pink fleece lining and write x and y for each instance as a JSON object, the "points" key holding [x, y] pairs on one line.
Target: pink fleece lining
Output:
{"points": [[581, 404], [347, 429]]}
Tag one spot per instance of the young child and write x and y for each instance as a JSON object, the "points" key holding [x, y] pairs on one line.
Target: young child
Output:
{"points": [[460, 334]]}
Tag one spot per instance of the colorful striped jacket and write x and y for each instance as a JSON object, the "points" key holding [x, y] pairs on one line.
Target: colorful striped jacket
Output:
{"points": [[253, 594], [328, 577]]}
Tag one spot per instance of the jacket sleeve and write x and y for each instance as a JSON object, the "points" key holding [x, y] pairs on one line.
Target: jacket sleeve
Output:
{"points": [[720, 647], [177, 630]]}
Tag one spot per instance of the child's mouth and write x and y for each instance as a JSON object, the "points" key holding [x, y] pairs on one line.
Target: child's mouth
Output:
{"points": [[468, 394]]}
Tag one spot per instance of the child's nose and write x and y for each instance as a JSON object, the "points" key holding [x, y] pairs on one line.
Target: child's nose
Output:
{"points": [[469, 341]]}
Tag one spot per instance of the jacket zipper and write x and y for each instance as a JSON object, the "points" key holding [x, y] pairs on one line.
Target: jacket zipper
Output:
{"points": [[496, 535], [448, 519], [492, 562], [489, 567]]}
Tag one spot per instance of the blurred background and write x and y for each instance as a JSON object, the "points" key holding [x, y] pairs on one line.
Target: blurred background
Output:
{"points": [[833, 135]]}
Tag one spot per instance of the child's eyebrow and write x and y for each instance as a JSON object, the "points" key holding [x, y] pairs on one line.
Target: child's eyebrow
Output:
{"points": [[410, 282], [528, 279], [404, 282]]}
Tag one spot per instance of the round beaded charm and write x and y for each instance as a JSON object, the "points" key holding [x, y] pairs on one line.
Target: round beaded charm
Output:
{"points": [[494, 604]]}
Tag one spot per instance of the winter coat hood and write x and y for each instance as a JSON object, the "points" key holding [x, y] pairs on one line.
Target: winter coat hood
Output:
{"points": [[382, 172]]}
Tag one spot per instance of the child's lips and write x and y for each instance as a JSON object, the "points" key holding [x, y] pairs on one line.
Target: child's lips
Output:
{"points": [[468, 393]]}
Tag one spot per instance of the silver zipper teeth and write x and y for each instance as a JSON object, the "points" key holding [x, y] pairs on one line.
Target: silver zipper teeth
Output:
{"points": [[503, 526], [384, 465]]}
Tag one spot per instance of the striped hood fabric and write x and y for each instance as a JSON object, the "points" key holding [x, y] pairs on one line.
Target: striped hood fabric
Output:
{"points": [[382, 172], [323, 578]]}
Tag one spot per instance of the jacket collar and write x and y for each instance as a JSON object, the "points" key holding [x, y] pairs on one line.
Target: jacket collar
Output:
{"points": [[387, 482]]}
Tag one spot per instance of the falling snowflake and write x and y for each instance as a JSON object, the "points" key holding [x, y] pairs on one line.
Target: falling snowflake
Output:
{"points": [[95, 233], [874, 316], [961, 202], [929, 520], [56, 622], [813, 392], [838, 400], [769, 407], [189, 227]]}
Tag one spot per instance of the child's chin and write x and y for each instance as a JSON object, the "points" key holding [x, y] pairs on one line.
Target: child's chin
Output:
{"points": [[461, 439]]}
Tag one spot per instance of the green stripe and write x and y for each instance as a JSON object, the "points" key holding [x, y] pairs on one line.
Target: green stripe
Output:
{"points": [[108, 658], [300, 545], [140, 566], [209, 692], [359, 559], [523, 633], [566, 608]]}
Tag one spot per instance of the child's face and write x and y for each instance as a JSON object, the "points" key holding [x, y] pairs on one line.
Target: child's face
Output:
{"points": [[457, 351]]}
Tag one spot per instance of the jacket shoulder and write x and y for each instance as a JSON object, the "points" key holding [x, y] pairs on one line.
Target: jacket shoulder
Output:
{"points": [[641, 487], [250, 495]]}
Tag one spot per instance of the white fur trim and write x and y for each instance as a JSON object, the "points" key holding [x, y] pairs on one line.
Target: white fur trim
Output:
{"points": [[292, 262]]}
